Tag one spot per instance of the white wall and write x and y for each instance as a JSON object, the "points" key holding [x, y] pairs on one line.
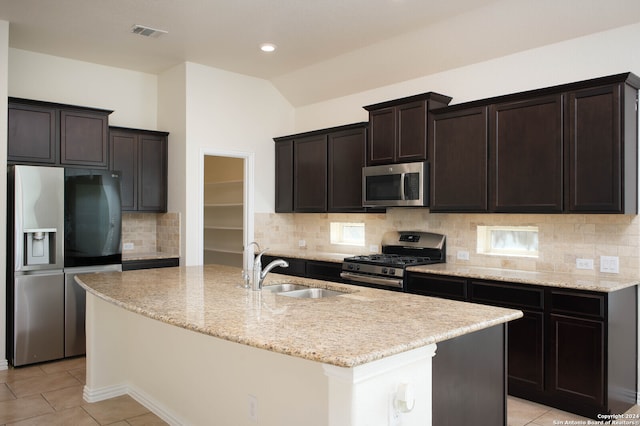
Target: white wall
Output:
{"points": [[596, 55], [130, 94], [172, 117], [4, 59], [227, 112]]}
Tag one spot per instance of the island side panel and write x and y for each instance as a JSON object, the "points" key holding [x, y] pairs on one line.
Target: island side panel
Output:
{"points": [[622, 355], [106, 348], [469, 379], [189, 378], [365, 395]]}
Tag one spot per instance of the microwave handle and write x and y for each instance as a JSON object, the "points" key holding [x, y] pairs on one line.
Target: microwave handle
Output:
{"points": [[403, 186]]}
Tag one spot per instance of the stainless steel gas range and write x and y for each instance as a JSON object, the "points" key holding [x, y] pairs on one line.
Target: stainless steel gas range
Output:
{"points": [[400, 249]]}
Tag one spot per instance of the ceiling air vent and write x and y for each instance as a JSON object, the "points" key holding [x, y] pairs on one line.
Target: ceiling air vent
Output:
{"points": [[147, 31]]}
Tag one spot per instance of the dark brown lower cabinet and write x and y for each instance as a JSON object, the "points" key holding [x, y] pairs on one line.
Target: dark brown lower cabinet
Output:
{"points": [[526, 353], [573, 350], [132, 265], [576, 360], [296, 268], [315, 269]]}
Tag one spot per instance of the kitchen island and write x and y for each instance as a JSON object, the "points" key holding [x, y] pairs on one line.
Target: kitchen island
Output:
{"points": [[196, 348]]}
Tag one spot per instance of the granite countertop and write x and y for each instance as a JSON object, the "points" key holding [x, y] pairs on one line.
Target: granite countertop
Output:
{"points": [[603, 284], [548, 279], [147, 256], [347, 330], [310, 255]]}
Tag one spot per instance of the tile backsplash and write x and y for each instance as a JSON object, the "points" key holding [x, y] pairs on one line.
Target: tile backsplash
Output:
{"points": [[562, 238], [151, 233]]}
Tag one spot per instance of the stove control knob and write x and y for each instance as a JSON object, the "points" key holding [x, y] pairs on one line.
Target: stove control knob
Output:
{"points": [[357, 267], [392, 271], [385, 270], [350, 267]]}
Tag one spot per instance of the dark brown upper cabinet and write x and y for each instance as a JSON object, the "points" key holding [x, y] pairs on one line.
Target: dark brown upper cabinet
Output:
{"points": [[321, 171], [284, 176], [398, 129], [310, 174], [602, 136], [459, 154], [57, 134], [141, 158], [32, 134], [527, 153], [347, 155], [569, 148], [84, 139]]}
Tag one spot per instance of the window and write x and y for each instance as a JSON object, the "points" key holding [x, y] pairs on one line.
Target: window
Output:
{"points": [[508, 240], [346, 233]]}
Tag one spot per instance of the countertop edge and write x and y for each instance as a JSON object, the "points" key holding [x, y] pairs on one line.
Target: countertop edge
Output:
{"points": [[543, 279], [348, 362]]}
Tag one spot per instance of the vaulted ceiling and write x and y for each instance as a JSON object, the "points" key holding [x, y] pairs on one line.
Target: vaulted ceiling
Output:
{"points": [[325, 48]]}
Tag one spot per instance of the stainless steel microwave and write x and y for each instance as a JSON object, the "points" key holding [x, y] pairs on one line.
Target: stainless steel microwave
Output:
{"points": [[405, 184]]}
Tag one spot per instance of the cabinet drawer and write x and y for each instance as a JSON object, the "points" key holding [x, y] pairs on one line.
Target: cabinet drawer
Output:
{"points": [[580, 304], [296, 266], [507, 295], [324, 271], [437, 286], [132, 265]]}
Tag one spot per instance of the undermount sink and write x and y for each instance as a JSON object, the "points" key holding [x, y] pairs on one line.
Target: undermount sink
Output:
{"points": [[312, 293], [280, 288]]}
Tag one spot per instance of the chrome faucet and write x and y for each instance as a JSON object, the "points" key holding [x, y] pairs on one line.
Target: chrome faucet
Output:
{"points": [[259, 274]]}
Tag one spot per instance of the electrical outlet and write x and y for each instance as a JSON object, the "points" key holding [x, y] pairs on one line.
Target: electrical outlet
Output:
{"points": [[373, 249], [302, 243], [252, 406], [584, 263], [610, 264], [128, 246], [463, 255]]}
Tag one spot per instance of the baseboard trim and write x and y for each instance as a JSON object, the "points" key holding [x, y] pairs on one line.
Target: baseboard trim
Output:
{"points": [[154, 406], [108, 392], [4, 364]]}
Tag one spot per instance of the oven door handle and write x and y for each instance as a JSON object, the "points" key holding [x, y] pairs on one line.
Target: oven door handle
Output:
{"points": [[389, 282]]}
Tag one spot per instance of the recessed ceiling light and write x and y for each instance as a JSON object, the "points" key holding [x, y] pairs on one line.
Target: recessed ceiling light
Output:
{"points": [[268, 47], [147, 31]]}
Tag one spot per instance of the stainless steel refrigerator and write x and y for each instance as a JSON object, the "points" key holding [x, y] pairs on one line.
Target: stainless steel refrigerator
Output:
{"points": [[92, 242], [62, 222], [35, 282]]}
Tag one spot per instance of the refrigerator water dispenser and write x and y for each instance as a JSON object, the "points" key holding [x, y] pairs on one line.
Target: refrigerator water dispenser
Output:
{"points": [[39, 246]]}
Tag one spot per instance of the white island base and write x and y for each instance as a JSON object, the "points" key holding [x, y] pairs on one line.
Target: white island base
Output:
{"points": [[188, 378]]}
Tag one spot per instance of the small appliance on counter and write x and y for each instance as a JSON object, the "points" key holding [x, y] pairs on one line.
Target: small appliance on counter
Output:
{"points": [[60, 222], [399, 251]]}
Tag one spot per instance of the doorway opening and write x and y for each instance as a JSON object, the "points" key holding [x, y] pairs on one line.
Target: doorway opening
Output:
{"points": [[224, 210]]}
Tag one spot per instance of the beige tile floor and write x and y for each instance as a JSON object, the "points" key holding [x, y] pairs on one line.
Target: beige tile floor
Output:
{"points": [[526, 413], [51, 394]]}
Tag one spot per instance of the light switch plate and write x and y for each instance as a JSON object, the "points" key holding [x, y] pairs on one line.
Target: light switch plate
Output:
{"points": [[128, 246], [610, 264], [584, 263], [463, 255]]}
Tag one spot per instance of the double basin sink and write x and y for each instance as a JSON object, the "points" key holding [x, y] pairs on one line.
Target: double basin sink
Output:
{"points": [[301, 291]]}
